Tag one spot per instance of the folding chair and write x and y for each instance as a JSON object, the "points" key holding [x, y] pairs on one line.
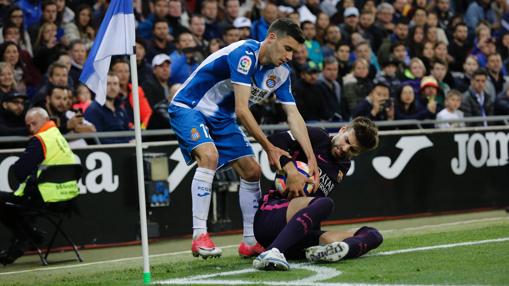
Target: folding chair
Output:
{"points": [[56, 212]]}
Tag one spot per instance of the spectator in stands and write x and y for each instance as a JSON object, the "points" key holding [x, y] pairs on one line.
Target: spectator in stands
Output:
{"points": [[462, 80], [197, 28], [384, 18], [406, 106], [377, 106], [65, 14], [331, 39], [312, 45], [230, 35], [356, 84], [49, 15], [501, 106], [78, 53], [459, 46], [12, 114], [399, 34], [416, 39], [15, 18], [112, 116], [175, 16], [363, 51], [161, 117], [439, 71], [343, 56], [231, 12], [46, 47], [81, 28], [260, 26], [58, 75], [428, 54], [160, 11], [7, 82], [335, 107], [496, 76], [351, 23], [157, 88], [185, 59], [144, 68], [476, 102], [160, 42], [120, 68], [429, 93], [479, 10], [432, 22], [309, 95], [27, 77], [419, 17], [444, 13], [57, 105], [389, 73], [486, 48], [451, 110], [244, 26], [83, 98], [322, 22], [414, 74], [209, 10]]}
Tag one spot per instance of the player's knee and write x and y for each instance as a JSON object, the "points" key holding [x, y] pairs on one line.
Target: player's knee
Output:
{"points": [[326, 204], [207, 159], [372, 232], [253, 173]]}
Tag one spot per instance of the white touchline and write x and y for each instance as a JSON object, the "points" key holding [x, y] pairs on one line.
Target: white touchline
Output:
{"points": [[468, 243], [49, 268]]}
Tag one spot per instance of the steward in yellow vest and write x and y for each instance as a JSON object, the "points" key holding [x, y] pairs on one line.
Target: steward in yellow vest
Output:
{"points": [[47, 147], [56, 151]]}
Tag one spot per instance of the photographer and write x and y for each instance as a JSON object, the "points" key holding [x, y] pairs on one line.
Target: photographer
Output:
{"points": [[377, 106], [185, 59]]}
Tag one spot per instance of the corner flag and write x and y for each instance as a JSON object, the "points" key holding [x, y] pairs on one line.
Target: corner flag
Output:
{"points": [[116, 36]]}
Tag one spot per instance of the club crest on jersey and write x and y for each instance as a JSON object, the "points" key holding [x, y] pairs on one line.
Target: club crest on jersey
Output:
{"points": [[271, 81], [244, 65], [195, 135]]}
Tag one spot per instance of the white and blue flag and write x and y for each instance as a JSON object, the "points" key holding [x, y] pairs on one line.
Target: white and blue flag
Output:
{"points": [[116, 36]]}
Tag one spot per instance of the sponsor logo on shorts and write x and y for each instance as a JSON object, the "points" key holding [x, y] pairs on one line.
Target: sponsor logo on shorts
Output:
{"points": [[244, 65], [195, 134]]}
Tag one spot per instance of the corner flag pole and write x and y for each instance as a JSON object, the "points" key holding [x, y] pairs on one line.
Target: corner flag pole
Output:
{"points": [[139, 169]]}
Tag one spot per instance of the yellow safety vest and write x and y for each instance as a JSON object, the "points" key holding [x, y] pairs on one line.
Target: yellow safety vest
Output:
{"points": [[56, 152]]}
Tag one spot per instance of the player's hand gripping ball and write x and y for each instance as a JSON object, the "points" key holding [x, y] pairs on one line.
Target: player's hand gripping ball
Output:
{"points": [[280, 180]]}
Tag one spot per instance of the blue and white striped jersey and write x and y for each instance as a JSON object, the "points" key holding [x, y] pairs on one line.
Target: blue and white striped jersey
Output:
{"points": [[209, 88]]}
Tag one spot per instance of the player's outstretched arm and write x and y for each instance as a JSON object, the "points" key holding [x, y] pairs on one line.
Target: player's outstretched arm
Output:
{"points": [[242, 93], [300, 132]]}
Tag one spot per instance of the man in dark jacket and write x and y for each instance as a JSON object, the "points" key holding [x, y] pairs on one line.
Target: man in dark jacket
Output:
{"points": [[476, 102], [12, 115]]}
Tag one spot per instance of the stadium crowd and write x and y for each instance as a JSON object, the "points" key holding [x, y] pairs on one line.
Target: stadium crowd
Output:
{"points": [[440, 59]]}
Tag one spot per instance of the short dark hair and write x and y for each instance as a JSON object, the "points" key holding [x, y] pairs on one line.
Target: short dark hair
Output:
{"points": [[55, 65], [52, 87], [366, 133], [440, 62], [480, 71], [159, 20], [285, 27]]}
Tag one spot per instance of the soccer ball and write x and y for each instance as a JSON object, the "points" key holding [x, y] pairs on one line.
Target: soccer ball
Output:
{"points": [[280, 180]]}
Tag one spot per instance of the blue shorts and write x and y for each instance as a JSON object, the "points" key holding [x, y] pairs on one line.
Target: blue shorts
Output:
{"points": [[193, 129]]}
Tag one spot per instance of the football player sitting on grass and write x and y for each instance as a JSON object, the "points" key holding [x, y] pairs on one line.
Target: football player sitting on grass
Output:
{"points": [[287, 224]]}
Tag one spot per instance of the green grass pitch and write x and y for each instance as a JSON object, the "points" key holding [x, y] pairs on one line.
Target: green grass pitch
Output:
{"points": [[465, 249]]}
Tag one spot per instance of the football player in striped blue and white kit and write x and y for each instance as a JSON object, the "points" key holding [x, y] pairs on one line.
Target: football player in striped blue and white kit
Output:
{"points": [[204, 114]]}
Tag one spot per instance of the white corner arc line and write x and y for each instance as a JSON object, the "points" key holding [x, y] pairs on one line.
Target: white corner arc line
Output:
{"points": [[322, 273]]}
